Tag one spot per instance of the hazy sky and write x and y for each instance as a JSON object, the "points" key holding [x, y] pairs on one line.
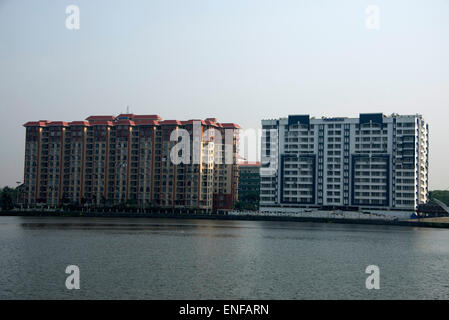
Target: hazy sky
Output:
{"points": [[237, 60]]}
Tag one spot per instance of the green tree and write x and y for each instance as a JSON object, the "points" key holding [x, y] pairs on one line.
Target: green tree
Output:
{"points": [[7, 198], [442, 195]]}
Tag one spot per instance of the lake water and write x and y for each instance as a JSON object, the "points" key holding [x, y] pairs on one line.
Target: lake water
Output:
{"points": [[209, 259]]}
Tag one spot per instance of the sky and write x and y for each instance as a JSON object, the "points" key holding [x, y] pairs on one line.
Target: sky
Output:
{"points": [[237, 60]]}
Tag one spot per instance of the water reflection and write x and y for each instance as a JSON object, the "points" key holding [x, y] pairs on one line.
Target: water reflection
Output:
{"points": [[213, 259]]}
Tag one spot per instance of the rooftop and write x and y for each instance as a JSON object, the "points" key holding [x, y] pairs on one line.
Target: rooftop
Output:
{"points": [[130, 119]]}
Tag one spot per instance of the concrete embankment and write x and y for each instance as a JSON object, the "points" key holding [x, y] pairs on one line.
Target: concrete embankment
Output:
{"points": [[427, 223]]}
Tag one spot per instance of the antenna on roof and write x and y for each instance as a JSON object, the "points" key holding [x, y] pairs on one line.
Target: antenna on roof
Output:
{"points": [[127, 109]]}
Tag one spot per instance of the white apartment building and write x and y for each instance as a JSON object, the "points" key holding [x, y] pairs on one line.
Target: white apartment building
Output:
{"points": [[371, 162]]}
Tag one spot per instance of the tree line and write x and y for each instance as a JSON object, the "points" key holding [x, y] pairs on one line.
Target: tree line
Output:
{"points": [[442, 195], [10, 197]]}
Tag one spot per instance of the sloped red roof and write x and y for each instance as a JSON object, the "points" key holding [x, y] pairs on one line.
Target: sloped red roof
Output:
{"points": [[146, 122], [95, 118], [101, 123], [249, 163], [171, 122], [58, 124], [140, 119], [41, 123], [79, 123], [231, 125], [212, 123], [147, 117], [188, 122]]}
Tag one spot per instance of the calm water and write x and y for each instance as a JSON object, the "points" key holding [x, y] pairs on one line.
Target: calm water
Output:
{"points": [[199, 259]]}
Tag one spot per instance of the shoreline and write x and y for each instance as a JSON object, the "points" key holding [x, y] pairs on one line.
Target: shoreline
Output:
{"points": [[255, 217]]}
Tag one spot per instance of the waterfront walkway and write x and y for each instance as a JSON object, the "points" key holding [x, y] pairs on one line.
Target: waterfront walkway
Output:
{"points": [[442, 222]]}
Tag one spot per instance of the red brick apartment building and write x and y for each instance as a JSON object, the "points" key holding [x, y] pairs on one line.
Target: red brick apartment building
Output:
{"points": [[107, 160]]}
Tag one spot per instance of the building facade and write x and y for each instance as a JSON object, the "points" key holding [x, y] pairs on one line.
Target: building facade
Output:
{"points": [[249, 181], [372, 162], [107, 160]]}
